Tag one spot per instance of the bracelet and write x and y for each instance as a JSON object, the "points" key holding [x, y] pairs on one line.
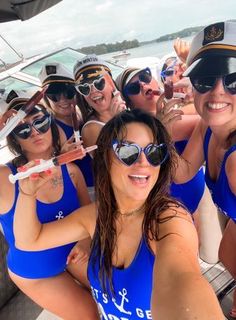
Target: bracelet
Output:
{"points": [[27, 194]]}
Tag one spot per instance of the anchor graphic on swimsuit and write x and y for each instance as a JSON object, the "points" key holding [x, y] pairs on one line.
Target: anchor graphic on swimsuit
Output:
{"points": [[120, 307], [59, 215]]}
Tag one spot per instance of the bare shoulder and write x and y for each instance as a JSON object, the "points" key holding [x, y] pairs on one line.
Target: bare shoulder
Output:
{"points": [[178, 223], [6, 188], [74, 170], [90, 133], [4, 173], [91, 127]]}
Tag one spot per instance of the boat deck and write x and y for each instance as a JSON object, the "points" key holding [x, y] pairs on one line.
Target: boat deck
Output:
{"points": [[217, 276], [222, 283]]}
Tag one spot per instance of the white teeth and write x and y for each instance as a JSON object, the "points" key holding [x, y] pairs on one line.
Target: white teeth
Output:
{"points": [[139, 176], [96, 98], [216, 105]]}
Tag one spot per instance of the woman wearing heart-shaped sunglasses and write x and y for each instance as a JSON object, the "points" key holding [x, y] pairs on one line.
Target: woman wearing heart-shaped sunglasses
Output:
{"points": [[98, 98], [143, 262], [41, 275]]}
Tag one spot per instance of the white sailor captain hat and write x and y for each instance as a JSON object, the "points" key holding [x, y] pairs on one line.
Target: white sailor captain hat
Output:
{"points": [[84, 68], [213, 51], [55, 73]]}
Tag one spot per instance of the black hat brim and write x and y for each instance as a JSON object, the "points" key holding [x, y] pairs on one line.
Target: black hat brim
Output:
{"points": [[211, 66]]}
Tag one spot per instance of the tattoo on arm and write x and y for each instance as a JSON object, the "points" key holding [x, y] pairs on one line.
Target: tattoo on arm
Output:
{"points": [[57, 181]]}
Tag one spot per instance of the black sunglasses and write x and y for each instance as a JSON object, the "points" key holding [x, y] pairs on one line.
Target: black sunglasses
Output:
{"points": [[85, 88], [205, 84], [55, 91], [129, 153], [134, 88], [41, 125]]}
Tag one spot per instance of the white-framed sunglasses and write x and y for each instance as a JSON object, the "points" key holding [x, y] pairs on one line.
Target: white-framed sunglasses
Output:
{"points": [[85, 88]]}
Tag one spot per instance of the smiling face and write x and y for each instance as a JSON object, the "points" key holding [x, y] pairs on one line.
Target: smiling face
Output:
{"points": [[61, 97], [217, 107], [99, 100], [145, 99], [63, 107], [132, 184]]}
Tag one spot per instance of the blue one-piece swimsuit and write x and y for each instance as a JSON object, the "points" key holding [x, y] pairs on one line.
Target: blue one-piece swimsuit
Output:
{"points": [[45, 263], [84, 164], [132, 287], [189, 193], [221, 194]]}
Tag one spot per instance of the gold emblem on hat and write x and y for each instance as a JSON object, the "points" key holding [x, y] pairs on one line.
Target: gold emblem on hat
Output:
{"points": [[214, 34], [95, 74]]}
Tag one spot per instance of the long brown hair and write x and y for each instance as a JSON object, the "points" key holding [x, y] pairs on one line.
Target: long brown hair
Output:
{"points": [[158, 200], [14, 145]]}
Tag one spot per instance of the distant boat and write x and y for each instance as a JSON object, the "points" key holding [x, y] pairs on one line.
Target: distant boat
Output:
{"points": [[123, 54]]}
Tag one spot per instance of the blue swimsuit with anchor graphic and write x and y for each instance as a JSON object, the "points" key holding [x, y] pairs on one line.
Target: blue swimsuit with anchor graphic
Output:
{"points": [[45, 263], [132, 286], [189, 193], [84, 164], [221, 194]]}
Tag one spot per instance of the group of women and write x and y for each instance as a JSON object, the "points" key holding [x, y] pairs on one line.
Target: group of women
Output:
{"points": [[142, 260]]}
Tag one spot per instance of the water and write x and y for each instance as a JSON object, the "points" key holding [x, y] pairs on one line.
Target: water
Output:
{"points": [[156, 49]]}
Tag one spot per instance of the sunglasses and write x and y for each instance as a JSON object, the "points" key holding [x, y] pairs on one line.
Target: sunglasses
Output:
{"points": [[205, 84], [134, 88], [41, 125], [85, 88], [54, 92], [129, 153], [169, 71]]}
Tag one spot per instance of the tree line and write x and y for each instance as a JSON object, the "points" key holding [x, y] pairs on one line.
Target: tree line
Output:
{"points": [[110, 47]]}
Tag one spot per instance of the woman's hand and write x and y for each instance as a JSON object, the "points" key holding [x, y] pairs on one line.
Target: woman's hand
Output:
{"points": [[71, 144], [168, 112], [79, 253], [117, 104], [182, 48], [184, 85], [29, 186]]}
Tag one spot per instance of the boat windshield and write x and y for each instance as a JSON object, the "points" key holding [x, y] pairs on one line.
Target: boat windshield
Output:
{"points": [[67, 57], [11, 83]]}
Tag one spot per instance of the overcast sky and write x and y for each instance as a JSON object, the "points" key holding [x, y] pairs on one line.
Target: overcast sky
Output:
{"points": [[80, 23]]}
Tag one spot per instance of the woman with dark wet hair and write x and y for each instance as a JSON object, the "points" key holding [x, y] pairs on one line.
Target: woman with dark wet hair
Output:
{"points": [[41, 275], [144, 261]]}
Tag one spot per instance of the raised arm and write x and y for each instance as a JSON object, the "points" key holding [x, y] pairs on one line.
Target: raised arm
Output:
{"points": [[192, 158], [179, 289], [31, 235]]}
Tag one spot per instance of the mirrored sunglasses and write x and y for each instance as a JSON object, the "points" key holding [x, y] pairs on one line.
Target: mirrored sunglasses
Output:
{"points": [[85, 88], [205, 84], [170, 70], [41, 125], [134, 88], [129, 153], [55, 91]]}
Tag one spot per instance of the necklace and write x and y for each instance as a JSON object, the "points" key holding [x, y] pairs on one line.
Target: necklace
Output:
{"points": [[133, 212]]}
